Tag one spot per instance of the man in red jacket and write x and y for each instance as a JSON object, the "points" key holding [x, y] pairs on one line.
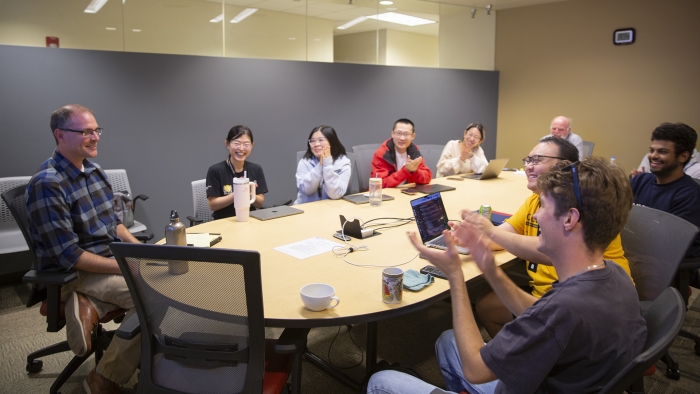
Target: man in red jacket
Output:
{"points": [[398, 159]]}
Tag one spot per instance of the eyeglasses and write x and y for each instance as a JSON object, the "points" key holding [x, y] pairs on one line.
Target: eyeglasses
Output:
{"points": [[238, 145], [87, 132], [317, 141], [474, 136], [404, 134], [577, 189], [537, 159]]}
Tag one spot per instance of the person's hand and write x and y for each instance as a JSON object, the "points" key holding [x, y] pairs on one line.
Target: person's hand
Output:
{"points": [[636, 172], [480, 223], [326, 152], [446, 261], [412, 164], [466, 152], [481, 253]]}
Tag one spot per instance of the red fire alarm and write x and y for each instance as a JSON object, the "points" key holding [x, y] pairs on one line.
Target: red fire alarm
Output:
{"points": [[52, 42]]}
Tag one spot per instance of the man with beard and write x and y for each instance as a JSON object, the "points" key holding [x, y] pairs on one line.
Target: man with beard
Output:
{"points": [[667, 188]]}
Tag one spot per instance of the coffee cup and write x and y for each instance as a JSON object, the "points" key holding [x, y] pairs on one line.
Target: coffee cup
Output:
{"points": [[392, 285], [319, 296]]}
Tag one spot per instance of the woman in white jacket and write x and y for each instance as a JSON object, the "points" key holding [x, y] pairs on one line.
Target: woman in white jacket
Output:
{"points": [[324, 171], [460, 157]]}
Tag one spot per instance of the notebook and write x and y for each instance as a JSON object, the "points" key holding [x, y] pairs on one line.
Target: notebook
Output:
{"points": [[203, 240], [363, 198], [492, 170], [431, 218], [275, 212]]}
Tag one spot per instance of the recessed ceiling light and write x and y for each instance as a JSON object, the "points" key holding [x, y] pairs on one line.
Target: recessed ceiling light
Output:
{"points": [[136, 30], [217, 19], [111, 28], [244, 14], [386, 2], [401, 19], [95, 6], [352, 22]]}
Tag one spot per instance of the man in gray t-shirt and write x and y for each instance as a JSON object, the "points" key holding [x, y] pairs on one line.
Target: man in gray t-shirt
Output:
{"points": [[561, 128], [575, 338]]}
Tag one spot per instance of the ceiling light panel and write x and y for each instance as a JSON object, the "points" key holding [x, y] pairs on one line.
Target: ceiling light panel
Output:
{"points": [[95, 6], [401, 19], [244, 14]]}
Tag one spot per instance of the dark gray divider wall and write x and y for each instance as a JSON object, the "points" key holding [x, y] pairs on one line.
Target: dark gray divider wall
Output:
{"points": [[166, 116]]}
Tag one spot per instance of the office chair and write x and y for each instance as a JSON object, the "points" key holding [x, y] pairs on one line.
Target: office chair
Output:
{"points": [[352, 183], [588, 148], [11, 237], [655, 243], [431, 155], [664, 317], [202, 213], [120, 183], [363, 162], [46, 288], [204, 330]]}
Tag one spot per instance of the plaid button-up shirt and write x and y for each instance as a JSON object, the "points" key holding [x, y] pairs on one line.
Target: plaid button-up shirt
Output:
{"points": [[70, 212]]}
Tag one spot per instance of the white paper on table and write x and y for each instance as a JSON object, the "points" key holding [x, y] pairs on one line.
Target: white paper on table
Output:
{"points": [[307, 247]]}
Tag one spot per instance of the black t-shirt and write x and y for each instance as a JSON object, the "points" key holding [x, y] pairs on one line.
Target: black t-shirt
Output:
{"points": [[220, 183]]}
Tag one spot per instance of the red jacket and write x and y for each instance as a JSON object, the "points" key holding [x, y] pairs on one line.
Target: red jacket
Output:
{"points": [[384, 166]]}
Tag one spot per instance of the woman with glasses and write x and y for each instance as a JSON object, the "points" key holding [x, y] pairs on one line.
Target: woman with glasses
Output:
{"points": [[465, 155], [239, 144], [324, 171]]}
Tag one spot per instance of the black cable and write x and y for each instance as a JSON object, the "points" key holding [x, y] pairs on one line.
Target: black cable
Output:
{"points": [[362, 354]]}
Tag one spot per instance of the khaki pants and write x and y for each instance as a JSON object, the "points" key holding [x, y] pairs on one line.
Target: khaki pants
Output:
{"points": [[108, 292]]}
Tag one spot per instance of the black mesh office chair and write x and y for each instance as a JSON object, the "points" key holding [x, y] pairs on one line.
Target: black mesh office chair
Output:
{"points": [[655, 242], [664, 317], [205, 328], [46, 288]]}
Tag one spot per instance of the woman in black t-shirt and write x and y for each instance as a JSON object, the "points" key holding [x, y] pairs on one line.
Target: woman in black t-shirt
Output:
{"points": [[239, 143]]}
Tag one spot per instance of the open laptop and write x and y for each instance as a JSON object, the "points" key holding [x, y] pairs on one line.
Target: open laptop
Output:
{"points": [[492, 170], [431, 218], [275, 212]]}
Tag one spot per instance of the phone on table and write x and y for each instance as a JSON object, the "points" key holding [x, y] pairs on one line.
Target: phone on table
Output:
{"points": [[429, 269], [409, 191], [455, 178]]}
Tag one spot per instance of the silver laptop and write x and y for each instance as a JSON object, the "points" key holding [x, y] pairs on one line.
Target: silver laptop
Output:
{"points": [[431, 218], [275, 212], [492, 170]]}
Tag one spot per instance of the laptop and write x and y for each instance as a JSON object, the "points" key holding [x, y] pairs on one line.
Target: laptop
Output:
{"points": [[430, 189], [431, 218], [275, 212], [363, 198], [492, 170]]}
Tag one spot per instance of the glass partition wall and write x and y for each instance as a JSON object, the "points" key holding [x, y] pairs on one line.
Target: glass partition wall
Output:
{"points": [[387, 32]]}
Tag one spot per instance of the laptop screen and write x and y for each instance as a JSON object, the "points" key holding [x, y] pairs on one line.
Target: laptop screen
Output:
{"points": [[430, 215]]}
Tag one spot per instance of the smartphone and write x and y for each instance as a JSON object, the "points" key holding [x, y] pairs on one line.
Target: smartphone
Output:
{"points": [[455, 178], [341, 236], [429, 269], [409, 191]]}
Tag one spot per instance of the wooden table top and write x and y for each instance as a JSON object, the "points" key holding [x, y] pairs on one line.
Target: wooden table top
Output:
{"points": [[359, 288]]}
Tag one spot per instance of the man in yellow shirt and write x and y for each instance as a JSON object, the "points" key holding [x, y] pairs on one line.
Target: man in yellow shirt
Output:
{"points": [[518, 234]]}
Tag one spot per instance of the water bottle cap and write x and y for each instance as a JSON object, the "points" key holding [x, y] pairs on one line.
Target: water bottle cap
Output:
{"points": [[174, 215]]}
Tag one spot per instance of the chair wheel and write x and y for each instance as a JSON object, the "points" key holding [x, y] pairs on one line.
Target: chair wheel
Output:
{"points": [[35, 366], [674, 374]]}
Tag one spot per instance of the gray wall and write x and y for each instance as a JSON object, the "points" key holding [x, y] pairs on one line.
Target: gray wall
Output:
{"points": [[166, 116]]}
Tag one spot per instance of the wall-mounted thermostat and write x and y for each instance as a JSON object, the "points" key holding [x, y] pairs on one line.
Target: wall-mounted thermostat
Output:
{"points": [[624, 36]]}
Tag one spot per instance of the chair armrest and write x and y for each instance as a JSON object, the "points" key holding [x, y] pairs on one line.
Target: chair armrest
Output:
{"points": [[292, 340], [129, 328], [49, 277], [194, 221], [140, 197], [143, 237]]}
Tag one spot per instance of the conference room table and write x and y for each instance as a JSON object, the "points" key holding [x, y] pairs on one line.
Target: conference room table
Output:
{"points": [[359, 288]]}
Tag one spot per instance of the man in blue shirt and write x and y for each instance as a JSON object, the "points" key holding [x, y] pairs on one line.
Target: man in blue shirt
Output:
{"points": [[72, 222], [667, 188]]}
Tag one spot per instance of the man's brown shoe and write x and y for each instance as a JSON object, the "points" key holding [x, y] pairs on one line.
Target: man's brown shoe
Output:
{"points": [[81, 318], [98, 384]]}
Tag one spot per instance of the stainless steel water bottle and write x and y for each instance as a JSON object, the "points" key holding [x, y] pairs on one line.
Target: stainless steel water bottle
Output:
{"points": [[175, 235]]}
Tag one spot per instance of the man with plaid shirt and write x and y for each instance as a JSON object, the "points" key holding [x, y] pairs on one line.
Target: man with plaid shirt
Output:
{"points": [[72, 222]]}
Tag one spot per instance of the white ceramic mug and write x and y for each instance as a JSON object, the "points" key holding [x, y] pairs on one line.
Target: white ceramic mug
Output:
{"points": [[243, 196], [319, 296]]}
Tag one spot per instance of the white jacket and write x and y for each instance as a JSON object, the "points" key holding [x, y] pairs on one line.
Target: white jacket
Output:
{"points": [[450, 163], [322, 181]]}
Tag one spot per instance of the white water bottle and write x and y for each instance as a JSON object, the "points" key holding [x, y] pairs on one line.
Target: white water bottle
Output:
{"points": [[612, 160]]}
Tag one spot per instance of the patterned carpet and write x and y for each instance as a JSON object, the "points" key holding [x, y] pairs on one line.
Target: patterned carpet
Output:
{"points": [[408, 340]]}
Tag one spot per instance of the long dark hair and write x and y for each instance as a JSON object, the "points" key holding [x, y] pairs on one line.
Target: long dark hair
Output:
{"points": [[237, 132], [337, 149]]}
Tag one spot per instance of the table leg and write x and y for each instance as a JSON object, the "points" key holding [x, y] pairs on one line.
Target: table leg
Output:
{"points": [[371, 347], [332, 371]]}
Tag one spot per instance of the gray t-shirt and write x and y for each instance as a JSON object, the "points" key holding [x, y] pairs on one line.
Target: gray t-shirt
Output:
{"points": [[574, 339]]}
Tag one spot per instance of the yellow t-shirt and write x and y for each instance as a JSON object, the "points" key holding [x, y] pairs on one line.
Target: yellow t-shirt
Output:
{"points": [[542, 276]]}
